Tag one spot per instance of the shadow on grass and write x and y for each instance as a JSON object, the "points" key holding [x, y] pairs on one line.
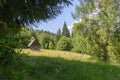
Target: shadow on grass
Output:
{"points": [[46, 68]]}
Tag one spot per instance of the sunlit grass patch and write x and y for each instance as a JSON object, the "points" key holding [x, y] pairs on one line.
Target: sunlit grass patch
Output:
{"points": [[63, 65], [56, 53], [59, 65]]}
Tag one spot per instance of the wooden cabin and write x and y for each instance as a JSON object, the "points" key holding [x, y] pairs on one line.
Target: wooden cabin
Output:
{"points": [[34, 45]]}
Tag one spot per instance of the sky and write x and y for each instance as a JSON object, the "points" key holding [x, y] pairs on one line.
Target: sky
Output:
{"points": [[53, 25]]}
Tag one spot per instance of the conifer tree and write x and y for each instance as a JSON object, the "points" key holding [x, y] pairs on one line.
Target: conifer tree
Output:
{"points": [[59, 34], [65, 31]]}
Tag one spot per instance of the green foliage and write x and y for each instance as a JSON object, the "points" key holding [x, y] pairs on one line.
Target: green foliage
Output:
{"points": [[78, 45], [7, 57], [96, 32], [51, 45], [65, 31], [8, 43], [16, 68], [22, 12], [24, 37], [64, 44], [45, 38], [59, 34]]}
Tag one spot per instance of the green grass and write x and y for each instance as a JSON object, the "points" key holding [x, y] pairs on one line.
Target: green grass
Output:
{"points": [[62, 65]]}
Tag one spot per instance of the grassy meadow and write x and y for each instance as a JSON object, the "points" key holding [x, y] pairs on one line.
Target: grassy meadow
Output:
{"points": [[60, 65]]}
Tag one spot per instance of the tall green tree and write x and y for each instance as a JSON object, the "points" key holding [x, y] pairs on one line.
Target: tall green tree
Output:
{"points": [[59, 34], [98, 28], [65, 31]]}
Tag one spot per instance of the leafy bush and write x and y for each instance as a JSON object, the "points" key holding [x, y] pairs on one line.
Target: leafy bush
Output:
{"points": [[51, 45], [64, 44]]}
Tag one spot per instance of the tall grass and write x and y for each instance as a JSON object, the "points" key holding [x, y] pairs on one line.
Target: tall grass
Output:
{"points": [[60, 65]]}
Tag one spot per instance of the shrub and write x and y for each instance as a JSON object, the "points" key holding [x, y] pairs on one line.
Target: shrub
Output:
{"points": [[64, 44], [51, 45]]}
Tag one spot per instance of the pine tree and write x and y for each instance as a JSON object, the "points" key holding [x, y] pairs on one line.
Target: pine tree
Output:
{"points": [[15, 13], [65, 31], [58, 34]]}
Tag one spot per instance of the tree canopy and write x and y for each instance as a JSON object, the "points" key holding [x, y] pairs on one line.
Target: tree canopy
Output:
{"points": [[24, 12], [97, 32]]}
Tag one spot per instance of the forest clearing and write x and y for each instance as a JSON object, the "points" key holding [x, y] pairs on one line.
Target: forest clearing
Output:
{"points": [[38, 44]]}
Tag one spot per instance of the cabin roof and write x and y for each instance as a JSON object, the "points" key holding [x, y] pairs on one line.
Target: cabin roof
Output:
{"points": [[32, 42]]}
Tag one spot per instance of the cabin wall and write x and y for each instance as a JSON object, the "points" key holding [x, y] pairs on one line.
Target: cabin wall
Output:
{"points": [[35, 48]]}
